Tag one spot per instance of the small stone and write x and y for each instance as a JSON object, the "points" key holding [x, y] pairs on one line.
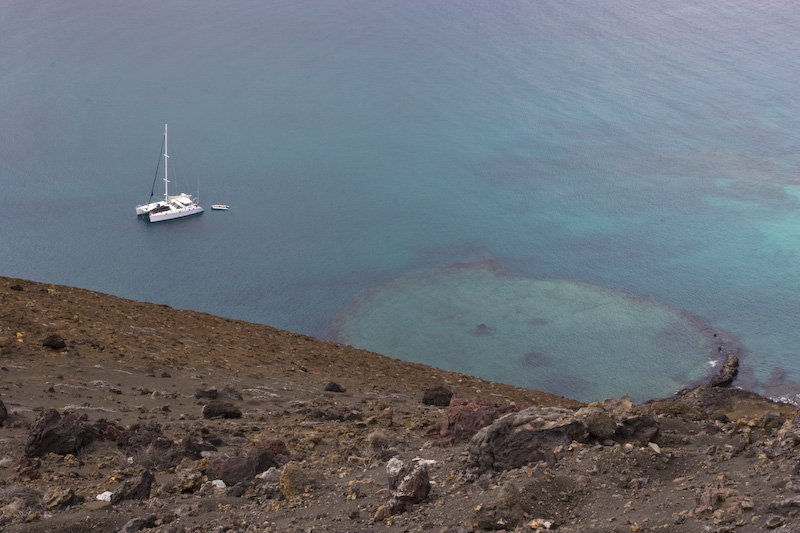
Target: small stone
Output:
{"points": [[774, 521], [655, 447], [138, 524], [57, 498], [334, 387], [382, 513]]}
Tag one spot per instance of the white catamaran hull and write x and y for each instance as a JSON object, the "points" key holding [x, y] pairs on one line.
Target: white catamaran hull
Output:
{"points": [[146, 208], [171, 207], [175, 213]]}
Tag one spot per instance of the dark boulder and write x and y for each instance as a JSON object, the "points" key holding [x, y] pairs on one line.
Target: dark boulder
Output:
{"points": [[137, 438], [190, 448], [439, 396], [55, 342], [59, 434], [3, 413], [240, 468], [332, 386], [220, 409]]}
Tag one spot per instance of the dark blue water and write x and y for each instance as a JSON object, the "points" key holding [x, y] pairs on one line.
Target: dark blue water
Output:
{"points": [[635, 147]]}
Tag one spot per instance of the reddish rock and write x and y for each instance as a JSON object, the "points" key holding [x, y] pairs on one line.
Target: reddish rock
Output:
{"points": [[464, 417]]}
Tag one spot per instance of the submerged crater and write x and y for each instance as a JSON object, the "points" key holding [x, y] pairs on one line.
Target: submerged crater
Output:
{"points": [[564, 337]]}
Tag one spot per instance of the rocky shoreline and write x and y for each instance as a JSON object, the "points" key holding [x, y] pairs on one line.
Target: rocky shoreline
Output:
{"points": [[119, 415]]}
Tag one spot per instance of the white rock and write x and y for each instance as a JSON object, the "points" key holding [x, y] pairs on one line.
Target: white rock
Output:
{"points": [[104, 496]]}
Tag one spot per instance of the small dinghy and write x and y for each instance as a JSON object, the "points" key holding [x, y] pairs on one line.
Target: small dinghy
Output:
{"points": [[220, 207]]}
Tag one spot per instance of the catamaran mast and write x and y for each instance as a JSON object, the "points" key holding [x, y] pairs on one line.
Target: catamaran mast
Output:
{"points": [[166, 157]]}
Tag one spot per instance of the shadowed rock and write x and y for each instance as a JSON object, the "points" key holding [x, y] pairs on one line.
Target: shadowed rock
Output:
{"points": [[334, 387], [60, 435], [240, 468], [439, 396], [208, 394], [220, 409], [135, 489], [638, 428], [3, 412]]}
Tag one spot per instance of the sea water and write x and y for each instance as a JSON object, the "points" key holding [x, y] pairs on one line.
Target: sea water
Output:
{"points": [[642, 149]]}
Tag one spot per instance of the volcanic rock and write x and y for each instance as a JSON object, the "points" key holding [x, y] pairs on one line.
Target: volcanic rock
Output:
{"points": [[138, 524], [464, 417], [136, 489], [408, 483], [239, 468], [637, 428], [727, 373], [524, 437], [54, 341], [332, 386], [59, 435], [208, 394], [439, 396], [220, 409], [295, 480]]}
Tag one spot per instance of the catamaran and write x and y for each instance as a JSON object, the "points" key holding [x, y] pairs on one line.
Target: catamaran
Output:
{"points": [[171, 207]]}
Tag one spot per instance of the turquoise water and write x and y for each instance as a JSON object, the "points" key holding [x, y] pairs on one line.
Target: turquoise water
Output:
{"points": [[582, 341], [642, 149]]}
